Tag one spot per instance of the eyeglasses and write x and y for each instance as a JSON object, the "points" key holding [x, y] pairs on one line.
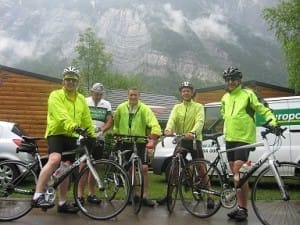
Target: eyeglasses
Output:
{"points": [[227, 79], [70, 80]]}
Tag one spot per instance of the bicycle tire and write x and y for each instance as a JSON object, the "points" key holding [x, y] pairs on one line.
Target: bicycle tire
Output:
{"points": [[277, 211], [115, 183], [17, 185], [173, 181], [200, 193], [137, 185]]}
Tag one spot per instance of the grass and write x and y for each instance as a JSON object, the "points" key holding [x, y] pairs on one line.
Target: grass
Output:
{"points": [[158, 188]]}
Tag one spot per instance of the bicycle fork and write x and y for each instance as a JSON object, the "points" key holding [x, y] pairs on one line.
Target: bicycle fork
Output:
{"points": [[95, 175], [278, 179]]}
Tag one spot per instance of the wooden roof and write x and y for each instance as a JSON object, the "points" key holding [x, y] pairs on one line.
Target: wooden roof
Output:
{"points": [[160, 104]]}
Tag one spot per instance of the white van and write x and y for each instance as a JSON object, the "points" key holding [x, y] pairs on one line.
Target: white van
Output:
{"points": [[287, 111]]}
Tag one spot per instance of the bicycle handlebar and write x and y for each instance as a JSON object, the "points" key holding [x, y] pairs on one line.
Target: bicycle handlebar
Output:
{"points": [[128, 137], [83, 132], [277, 130], [176, 140]]}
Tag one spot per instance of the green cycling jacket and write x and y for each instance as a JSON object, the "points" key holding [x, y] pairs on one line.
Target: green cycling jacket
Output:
{"points": [[64, 114], [238, 124], [127, 123], [187, 117]]}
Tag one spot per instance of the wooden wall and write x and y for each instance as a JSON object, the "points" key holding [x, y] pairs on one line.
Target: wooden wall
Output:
{"points": [[23, 100]]}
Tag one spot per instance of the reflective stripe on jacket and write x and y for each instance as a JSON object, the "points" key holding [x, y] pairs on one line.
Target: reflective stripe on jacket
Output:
{"points": [[238, 124], [187, 117], [64, 114]]}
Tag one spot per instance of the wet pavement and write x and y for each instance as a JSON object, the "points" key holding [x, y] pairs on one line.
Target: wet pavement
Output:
{"points": [[148, 216]]}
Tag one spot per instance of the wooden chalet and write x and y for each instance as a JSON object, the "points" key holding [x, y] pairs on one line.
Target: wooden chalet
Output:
{"points": [[23, 99]]}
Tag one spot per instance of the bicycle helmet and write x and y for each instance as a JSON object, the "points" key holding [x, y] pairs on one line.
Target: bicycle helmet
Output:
{"points": [[232, 73], [186, 84], [71, 72], [98, 87]]}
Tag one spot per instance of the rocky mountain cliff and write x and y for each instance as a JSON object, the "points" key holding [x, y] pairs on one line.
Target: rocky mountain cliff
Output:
{"points": [[194, 38]]}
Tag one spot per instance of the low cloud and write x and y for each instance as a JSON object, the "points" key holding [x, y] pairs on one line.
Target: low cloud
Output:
{"points": [[176, 19], [14, 48], [212, 26]]}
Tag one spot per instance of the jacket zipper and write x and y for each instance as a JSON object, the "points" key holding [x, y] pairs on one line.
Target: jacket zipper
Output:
{"points": [[232, 108]]}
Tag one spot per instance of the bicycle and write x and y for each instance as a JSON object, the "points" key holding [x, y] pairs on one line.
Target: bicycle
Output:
{"points": [[284, 206], [18, 181], [133, 165], [182, 173]]}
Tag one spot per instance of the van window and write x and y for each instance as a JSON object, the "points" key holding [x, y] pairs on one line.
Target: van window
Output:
{"points": [[213, 120]]}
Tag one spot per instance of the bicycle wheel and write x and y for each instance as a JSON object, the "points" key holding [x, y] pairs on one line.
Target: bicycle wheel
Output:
{"points": [[137, 180], [173, 182], [200, 187], [114, 194], [276, 210], [17, 185]]}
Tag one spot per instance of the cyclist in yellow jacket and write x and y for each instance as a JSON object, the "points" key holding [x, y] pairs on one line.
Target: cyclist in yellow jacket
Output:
{"points": [[237, 108], [67, 110], [187, 118], [133, 117]]}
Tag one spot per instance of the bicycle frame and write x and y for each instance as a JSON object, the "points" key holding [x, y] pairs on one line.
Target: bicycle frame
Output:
{"points": [[134, 162], [85, 158], [268, 157]]}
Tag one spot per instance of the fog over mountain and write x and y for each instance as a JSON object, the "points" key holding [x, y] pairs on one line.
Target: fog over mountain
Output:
{"points": [[192, 38]]}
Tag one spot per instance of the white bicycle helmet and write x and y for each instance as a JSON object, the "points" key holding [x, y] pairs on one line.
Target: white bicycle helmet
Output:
{"points": [[186, 84], [98, 87], [71, 70]]}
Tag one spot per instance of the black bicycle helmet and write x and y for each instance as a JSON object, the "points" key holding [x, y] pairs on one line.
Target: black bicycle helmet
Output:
{"points": [[233, 73], [186, 84]]}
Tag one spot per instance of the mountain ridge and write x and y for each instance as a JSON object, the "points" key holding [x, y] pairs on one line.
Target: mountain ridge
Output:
{"points": [[194, 39]]}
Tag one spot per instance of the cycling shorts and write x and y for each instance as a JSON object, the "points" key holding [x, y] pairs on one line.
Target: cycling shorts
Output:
{"points": [[242, 154], [61, 144], [188, 144]]}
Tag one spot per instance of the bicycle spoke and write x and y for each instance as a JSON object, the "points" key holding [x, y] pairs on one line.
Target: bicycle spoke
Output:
{"points": [[138, 186], [17, 185], [200, 189], [277, 211], [114, 194], [173, 181]]}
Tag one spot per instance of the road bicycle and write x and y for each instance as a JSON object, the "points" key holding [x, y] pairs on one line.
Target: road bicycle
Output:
{"points": [[182, 175], [283, 178], [133, 165], [18, 181]]}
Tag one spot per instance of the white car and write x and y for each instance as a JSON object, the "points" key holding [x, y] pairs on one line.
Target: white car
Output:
{"points": [[10, 138]]}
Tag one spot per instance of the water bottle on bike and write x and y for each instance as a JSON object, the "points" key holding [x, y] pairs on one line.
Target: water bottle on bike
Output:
{"points": [[61, 169], [244, 169]]}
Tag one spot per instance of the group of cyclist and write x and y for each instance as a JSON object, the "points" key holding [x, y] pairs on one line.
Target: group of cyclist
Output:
{"points": [[69, 110]]}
